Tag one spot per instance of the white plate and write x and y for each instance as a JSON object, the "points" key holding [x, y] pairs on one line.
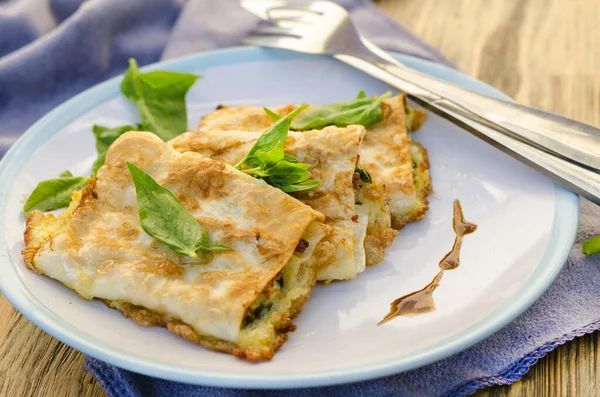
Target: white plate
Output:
{"points": [[526, 229]]}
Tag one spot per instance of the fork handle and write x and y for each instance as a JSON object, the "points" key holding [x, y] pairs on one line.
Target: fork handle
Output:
{"points": [[565, 137], [581, 180], [570, 139]]}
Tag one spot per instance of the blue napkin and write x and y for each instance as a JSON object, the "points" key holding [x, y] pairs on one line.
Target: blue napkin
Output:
{"points": [[51, 50]]}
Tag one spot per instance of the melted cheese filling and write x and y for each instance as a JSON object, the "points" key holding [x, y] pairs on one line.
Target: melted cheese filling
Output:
{"points": [[360, 232]]}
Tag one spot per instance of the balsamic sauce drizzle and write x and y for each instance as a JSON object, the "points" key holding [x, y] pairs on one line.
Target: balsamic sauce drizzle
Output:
{"points": [[421, 301]]}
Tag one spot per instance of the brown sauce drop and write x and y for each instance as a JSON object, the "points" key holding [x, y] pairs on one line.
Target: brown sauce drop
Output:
{"points": [[421, 301]]}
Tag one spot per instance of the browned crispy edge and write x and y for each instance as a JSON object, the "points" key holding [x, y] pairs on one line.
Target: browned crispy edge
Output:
{"points": [[281, 322], [379, 233], [423, 190], [419, 118], [149, 318], [31, 249]]}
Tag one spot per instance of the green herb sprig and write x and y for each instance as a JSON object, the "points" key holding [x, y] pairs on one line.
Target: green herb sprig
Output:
{"points": [[362, 110], [267, 161], [105, 136], [163, 217], [591, 246], [160, 99], [52, 194]]}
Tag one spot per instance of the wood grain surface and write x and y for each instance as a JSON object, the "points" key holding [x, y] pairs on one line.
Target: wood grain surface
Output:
{"points": [[544, 53]]}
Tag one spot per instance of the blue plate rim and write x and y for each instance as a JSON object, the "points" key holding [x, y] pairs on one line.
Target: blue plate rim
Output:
{"points": [[564, 230]]}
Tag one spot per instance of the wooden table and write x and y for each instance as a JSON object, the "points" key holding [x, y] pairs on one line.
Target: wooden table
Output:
{"points": [[544, 53]]}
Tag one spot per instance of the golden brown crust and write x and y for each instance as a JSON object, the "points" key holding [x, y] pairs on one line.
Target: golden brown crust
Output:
{"points": [[408, 184], [379, 235], [279, 323], [165, 267], [39, 228], [331, 152], [385, 151], [31, 245], [201, 184], [97, 246], [150, 318], [128, 231], [419, 117], [423, 187], [232, 118], [385, 154]]}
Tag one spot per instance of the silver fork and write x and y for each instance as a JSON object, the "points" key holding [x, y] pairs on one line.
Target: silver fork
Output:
{"points": [[566, 150]]}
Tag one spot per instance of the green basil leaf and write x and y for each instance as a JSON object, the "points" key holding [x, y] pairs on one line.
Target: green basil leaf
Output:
{"points": [[56, 193], [105, 136], [272, 114], [273, 136], [270, 158], [267, 161], [306, 185], [284, 175], [289, 158], [591, 246], [361, 94], [163, 217], [288, 173], [160, 99], [363, 111], [99, 162]]}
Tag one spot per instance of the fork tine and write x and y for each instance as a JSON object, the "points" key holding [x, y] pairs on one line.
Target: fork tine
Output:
{"points": [[295, 8], [272, 41], [274, 31], [327, 30], [291, 20]]}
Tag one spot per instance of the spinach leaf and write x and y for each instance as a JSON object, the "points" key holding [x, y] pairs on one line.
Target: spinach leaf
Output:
{"points": [[362, 110], [274, 116], [99, 162], [591, 246], [272, 157], [296, 187], [56, 193], [163, 217], [267, 161], [160, 99], [105, 136], [273, 136], [285, 175]]}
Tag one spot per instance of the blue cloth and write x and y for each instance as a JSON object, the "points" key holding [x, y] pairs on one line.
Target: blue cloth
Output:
{"points": [[51, 50]]}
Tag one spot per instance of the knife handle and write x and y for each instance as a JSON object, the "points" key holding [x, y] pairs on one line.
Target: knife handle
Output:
{"points": [[575, 141], [575, 177], [567, 138]]}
